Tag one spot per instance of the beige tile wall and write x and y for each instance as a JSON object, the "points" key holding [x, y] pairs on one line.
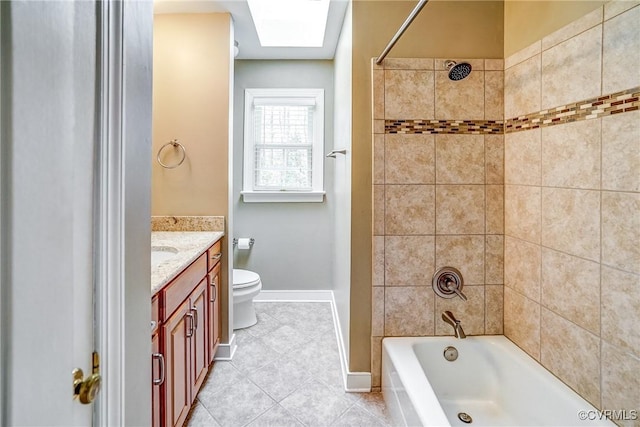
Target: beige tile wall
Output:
{"points": [[566, 198], [438, 201], [572, 210], [553, 213]]}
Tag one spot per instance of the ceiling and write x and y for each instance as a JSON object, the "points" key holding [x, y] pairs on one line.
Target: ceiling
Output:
{"points": [[245, 32]]}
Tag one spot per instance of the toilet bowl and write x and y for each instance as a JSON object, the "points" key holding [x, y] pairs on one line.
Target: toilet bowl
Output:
{"points": [[246, 285]]}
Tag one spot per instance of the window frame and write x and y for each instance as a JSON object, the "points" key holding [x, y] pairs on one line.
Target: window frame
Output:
{"points": [[316, 194]]}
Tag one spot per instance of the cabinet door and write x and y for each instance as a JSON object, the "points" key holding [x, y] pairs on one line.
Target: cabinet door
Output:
{"points": [[157, 378], [214, 311], [177, 331], [199, 362]]}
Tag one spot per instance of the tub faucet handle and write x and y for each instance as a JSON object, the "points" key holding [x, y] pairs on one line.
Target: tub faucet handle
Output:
{"points": [[453, 286], [447, 283]]}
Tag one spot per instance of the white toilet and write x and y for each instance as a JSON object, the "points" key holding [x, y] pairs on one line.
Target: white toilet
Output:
{"points": [[246, 285]]}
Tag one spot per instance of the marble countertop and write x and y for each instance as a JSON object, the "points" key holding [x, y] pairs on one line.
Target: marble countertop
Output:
{"points": [[189, 245]]}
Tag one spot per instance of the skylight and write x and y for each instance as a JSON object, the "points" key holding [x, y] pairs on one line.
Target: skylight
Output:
{"points": [[290, 23]]}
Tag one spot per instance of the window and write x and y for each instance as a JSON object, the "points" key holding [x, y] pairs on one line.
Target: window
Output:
{"points": [[283, 145], [290, 23]]}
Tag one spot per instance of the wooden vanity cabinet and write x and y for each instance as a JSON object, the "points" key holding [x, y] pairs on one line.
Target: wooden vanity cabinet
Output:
{"points": [[214, 254], [157, 364], [199, 360], [176, 332], [185, 349], [157, 374], [185, 343], [214, 311]]}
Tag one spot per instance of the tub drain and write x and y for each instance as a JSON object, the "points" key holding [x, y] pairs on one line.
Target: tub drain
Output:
{"points": [[465, 418]]}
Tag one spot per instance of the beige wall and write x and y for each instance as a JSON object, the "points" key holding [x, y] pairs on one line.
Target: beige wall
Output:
{"points": [[191, 103], [192, 92], [526, 21], [572, 205], [438, 199], [444, 29]]}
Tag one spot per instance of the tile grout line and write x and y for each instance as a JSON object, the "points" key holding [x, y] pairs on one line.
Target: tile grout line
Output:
{"points": [[205, 408], [504, 195], [434, 247], [612, 267], [601, 382], [366, 409], [384, 253], [484, 239], [294, 416], [539, 93], [260, 414], [539, 245], [552, 310], [555, 187]]}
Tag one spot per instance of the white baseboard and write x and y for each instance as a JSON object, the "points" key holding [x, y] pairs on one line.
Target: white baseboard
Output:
{"points": [[226, 351], [358, 382], [302, 296], [355, 382]]}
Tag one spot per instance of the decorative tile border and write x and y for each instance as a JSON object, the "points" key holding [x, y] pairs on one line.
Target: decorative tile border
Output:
{"points": [[615, 103], [594, 108], [473, 127]]}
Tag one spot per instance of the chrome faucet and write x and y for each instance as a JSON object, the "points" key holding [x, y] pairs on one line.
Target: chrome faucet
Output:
{"points": [[448, 317]]}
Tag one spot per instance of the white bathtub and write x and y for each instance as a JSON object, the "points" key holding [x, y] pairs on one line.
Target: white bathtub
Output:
{"points": [[492, 380]]}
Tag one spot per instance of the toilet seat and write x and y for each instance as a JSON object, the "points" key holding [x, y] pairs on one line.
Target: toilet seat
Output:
{"points": [[244, 278]]}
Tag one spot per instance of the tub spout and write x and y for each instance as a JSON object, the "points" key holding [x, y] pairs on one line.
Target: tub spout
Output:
{"points": [[448, 317]]}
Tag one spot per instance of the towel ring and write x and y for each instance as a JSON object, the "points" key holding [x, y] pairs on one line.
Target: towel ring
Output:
{"points": [[175, 144]]}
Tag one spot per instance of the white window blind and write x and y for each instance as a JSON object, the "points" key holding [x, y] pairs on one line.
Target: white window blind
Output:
{"points": [[283, 147], [283, 144]]}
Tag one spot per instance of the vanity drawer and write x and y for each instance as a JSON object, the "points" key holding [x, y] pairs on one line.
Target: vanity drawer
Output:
{"points": [[179, 289], [214, 254]]}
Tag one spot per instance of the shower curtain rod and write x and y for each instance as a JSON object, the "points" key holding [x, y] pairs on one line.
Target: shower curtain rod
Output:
{"points": [[414, 13]]}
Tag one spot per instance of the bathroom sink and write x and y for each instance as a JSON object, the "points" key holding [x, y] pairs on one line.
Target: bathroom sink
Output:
{"points": [[160, 254]]}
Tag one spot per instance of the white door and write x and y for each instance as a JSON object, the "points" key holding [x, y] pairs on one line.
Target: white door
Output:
{"points": [[51, 120], [55, 165]]}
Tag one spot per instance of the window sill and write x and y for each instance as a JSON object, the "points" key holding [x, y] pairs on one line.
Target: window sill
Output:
{"points": [[283, 196]]}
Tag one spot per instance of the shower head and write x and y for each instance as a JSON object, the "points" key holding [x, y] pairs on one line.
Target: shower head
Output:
{"points": [[458, 71]]}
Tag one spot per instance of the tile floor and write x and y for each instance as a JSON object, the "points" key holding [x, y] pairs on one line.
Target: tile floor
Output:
{"points": [[285, 372]]}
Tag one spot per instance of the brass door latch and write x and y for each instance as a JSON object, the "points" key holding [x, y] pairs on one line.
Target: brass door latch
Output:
{"points": [[86, 389]]}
